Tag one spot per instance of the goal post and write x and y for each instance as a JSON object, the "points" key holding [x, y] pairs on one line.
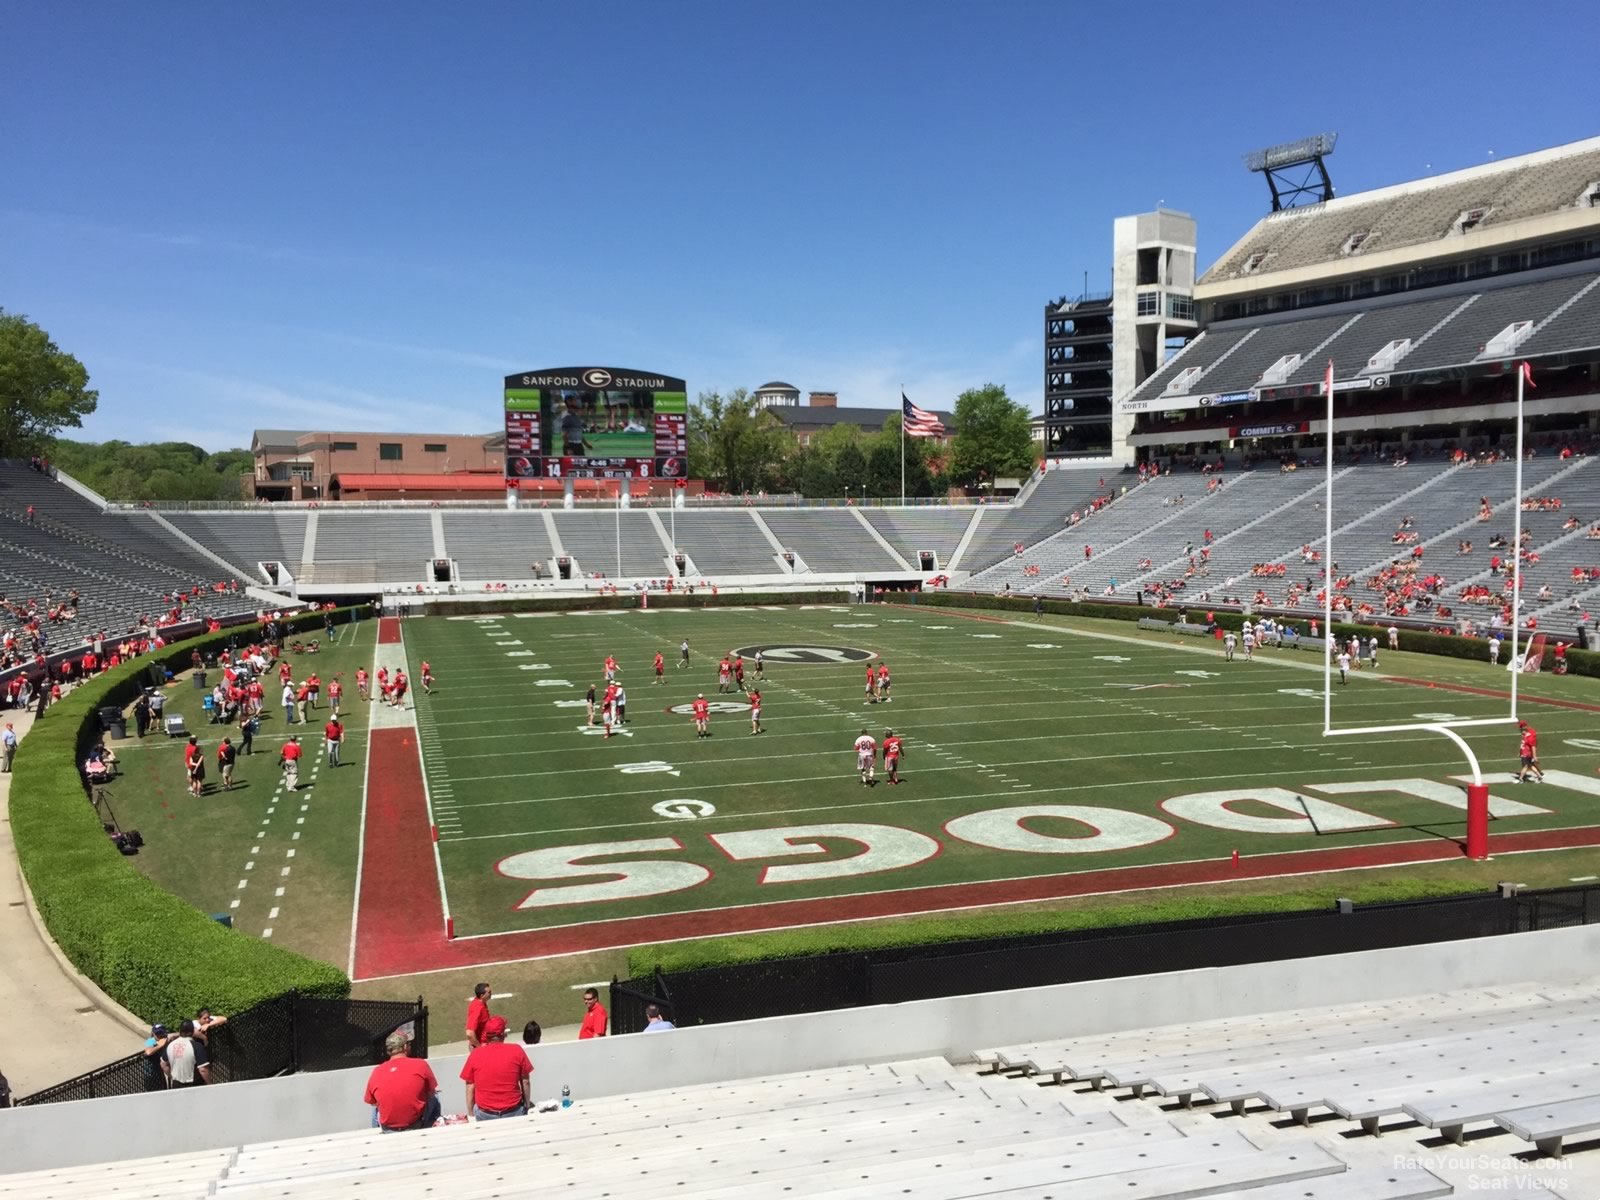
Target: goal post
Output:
{"points": [[1477, 791]]}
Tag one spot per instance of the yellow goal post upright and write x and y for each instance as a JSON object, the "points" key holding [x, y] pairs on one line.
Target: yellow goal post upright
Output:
{"points": [[1477, 791]]}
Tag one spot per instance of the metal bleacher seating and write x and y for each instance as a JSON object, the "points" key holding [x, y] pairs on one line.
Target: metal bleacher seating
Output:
{"points": [[913, 530], [592, 538], [1411, 214], [248, 538], [1044, 511], [1463, 337], [122, 565], [727, 542], [1518, 1056], [370, 547], [497, 545], [921, 1128], [829, 539]]}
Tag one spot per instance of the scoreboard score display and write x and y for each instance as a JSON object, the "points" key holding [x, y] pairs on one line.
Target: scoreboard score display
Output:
{"points": [[596, 423]]}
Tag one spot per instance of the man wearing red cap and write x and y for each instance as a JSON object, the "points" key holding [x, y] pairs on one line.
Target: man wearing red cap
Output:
{"points": [[496, 1075]]}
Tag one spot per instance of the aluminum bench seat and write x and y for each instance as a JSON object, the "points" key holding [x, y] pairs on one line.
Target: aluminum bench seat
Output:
{"points": [[1548, 1125]]}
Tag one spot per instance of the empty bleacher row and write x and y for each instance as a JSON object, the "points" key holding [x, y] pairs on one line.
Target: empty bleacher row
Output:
{"points": [[921, 1128], [1444, 331], [1516, 1064]]}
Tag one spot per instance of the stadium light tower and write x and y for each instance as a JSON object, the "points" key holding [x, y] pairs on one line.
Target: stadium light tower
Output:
{"points": [[1297, 172]]}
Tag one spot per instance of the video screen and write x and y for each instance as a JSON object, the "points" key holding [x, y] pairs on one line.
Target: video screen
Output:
{"points": [[595, 422]]}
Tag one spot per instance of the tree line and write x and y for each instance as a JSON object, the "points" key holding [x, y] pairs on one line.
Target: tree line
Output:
{"points": [[739, 448]]}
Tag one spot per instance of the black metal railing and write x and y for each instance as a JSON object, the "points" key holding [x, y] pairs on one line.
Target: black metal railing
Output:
{"points": [[629, 1000], [823, 982], [277, 1037]]}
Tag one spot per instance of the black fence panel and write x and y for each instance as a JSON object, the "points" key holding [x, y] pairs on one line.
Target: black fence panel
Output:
{"points": [[819, 983], [125, 1077], [332, 1034], [279, 1036], [627, 1003]]}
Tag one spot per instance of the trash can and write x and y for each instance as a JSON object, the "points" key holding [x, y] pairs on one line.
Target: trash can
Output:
{"points": [[200, 680], [113, 722]]}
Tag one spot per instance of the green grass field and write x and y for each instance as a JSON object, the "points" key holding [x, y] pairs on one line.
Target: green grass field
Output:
{"points": [[994, 716], [1126, 749]]}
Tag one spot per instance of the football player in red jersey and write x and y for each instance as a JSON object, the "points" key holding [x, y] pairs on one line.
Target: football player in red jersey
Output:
{"points": [[1529, 751], [702, 716], [872, 685], [755, 710], [660, 668], [892, 750], [883, 682]]}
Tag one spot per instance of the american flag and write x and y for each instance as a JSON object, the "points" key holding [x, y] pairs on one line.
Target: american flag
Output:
{"points": [[919, 422]]}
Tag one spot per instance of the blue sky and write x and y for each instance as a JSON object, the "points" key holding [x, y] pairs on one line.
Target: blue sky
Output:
{"points": [[361, 216]]}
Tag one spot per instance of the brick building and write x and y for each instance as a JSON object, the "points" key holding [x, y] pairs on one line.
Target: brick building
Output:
{"points": [[298, 464]]}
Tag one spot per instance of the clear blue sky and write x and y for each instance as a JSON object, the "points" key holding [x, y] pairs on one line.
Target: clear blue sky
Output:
{"points": [[361, 216]]}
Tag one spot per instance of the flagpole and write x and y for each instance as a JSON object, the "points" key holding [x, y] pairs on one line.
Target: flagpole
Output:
{"points": [[902, 446], [1516, 547], [1327, 563]]}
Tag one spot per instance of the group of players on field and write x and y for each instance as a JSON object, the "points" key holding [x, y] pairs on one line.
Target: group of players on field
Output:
{"points": [[611, 708]]}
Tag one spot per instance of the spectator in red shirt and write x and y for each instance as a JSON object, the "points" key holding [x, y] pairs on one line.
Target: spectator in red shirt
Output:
{"points": [[403, 1091], [594, 1016], [194, 762], [289, 760], [496, 1075], [333, 731], [478, 1014]]}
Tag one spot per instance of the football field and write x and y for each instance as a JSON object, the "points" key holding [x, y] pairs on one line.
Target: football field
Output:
{"points": [[1042, 760]]}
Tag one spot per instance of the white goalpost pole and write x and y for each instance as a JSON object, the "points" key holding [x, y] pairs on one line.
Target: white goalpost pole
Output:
{"points": [[1516, 551], [1327, 563]]}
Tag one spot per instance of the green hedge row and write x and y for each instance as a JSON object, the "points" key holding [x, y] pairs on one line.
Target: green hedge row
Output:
{"points": [[1579, 662], [702, 598], [940, 929], [149, 950]]}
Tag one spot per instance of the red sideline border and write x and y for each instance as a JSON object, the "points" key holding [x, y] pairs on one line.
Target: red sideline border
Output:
{"points": [[399, 911]]}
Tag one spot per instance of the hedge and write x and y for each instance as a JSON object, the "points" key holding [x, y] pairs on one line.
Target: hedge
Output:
{"points": [[958, 927], [150, 951], [1579, 662]]}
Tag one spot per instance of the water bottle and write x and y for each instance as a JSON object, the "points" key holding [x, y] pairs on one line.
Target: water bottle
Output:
{"points": [[566, 1096]]}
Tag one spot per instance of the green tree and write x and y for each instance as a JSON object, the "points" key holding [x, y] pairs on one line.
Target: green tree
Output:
{"points": [[42, 388], [992, 439], [734, 444], [130, 473], [850, 469], [809, 472]]}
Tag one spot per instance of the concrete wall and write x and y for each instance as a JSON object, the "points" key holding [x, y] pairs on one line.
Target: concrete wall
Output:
{"points": [[123, 1127]]}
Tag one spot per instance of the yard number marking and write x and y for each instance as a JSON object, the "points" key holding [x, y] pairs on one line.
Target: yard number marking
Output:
{"points": [[654, 766], [683, 810]]}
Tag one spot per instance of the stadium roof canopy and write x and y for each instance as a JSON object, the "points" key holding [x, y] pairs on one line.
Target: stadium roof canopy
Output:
{"points": [[1529, 197]]}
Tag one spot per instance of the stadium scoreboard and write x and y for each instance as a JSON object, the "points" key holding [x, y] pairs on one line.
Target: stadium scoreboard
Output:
{"points": [[596, 423]]}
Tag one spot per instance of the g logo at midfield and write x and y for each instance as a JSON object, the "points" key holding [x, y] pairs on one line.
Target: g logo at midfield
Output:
{"points": [[810, 655], [596, 378]]}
